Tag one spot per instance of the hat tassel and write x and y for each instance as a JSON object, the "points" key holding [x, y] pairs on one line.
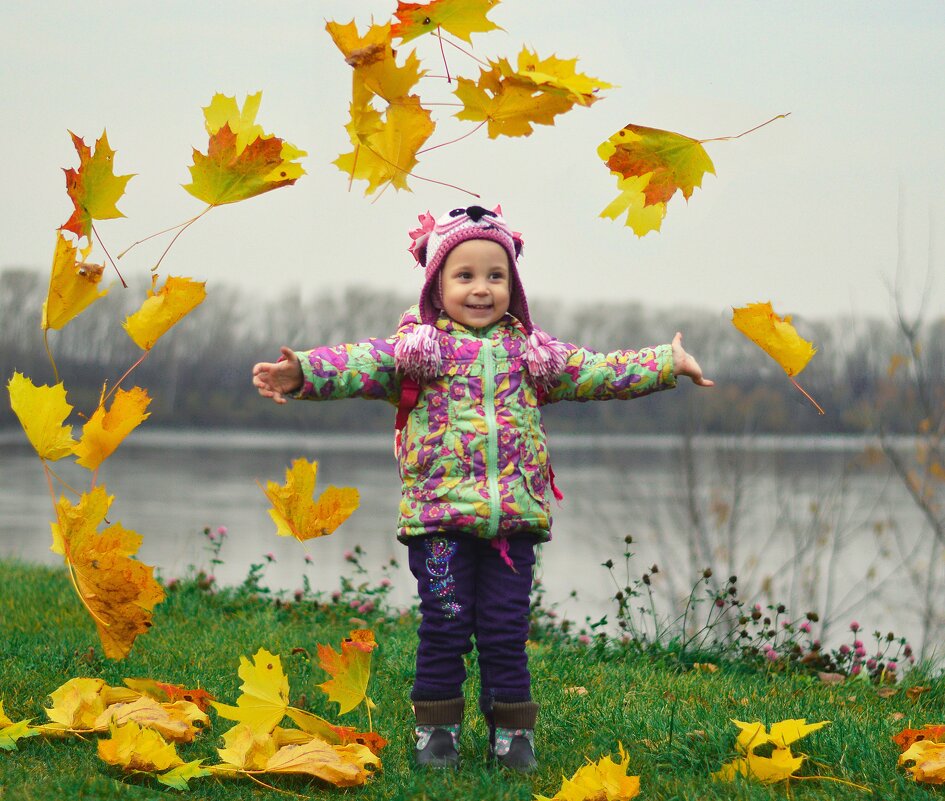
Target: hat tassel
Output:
{"points": [[546, 356], [417, 354]]}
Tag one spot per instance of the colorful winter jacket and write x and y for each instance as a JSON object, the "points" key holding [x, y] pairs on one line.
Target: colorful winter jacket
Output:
{"points": [[473, 456]]}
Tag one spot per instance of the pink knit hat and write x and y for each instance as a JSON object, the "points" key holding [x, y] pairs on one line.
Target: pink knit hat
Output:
{"points": [[417, 354]]}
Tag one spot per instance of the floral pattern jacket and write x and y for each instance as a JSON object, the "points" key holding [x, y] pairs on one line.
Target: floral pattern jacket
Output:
{"points": [[473, 455]]}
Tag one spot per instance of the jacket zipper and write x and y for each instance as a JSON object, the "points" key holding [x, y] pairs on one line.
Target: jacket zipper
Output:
{"points": [[492, 439]]}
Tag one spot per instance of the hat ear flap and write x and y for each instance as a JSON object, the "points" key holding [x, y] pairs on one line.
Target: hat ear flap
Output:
{"points": [[420, 254], [519, 245]]}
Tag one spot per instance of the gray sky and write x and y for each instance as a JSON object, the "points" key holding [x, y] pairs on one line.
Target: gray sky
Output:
{"points": [[811, 212]]}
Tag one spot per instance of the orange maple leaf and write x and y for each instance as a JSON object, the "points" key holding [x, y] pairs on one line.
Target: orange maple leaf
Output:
{"points": [[169, 693], [94, 188], [350, 670], [163, 308], [119, 591], [907, 737], [657, 164], [509, 101], [459, 17], [388, 155], [73, 286], [777, 337], [105, 430], [294, 511], [241, 160], [374, 60]]}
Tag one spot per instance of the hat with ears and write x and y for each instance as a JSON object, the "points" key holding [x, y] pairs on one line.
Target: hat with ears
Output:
{"points": [[417, 354]]}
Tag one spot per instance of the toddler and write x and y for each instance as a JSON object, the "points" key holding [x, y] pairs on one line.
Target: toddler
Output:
{"points": [[469, 373]]}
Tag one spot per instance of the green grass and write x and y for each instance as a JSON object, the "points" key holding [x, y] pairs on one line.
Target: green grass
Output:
{"points": [[675, 724]]}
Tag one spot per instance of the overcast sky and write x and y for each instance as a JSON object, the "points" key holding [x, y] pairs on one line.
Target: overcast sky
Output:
{"points": [[812, 212]]}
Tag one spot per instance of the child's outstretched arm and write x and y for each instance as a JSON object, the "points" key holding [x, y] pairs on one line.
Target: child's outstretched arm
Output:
{"points": [[684, 364], [277, 379]]}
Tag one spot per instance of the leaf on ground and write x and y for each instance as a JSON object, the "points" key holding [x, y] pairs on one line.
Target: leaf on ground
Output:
{"points": [[341, 765], [350, 670], [651, 165], [94, 188], [775, 335], [604, 780], [73, 286], [169, 693], [179, 777], [10, 732], [264, 694], [458, 17], [135, 748], [905, 738], [388, 155], [42, 411], [77, 703], [297, 514], [780, 764], [163, 308], [928, 761], [118, 591], [105, 430], [241, 160], [178, 722], [510, 102], [245, 748]]}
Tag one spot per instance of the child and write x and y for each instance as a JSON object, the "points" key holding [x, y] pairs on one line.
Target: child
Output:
{"points": [[470, 372]]}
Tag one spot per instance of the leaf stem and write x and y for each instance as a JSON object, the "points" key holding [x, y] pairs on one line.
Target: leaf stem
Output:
{"points": [[109, 256], [463, 50], [418, 177], [832, 779], [443, 54], [183, 228], [804, 393], [166, 230], [52, 361], [96, 618], [118, 382], [50, 472], [743, 133], [452, 141]]}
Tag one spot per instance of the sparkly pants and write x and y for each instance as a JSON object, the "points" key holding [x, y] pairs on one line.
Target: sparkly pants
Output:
{"points": [[467, 589]]}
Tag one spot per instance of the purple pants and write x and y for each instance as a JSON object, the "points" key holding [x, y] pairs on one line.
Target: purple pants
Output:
{"points": [[468, 590]]}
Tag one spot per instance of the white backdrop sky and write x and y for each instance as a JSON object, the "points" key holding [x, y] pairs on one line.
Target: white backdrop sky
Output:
{"points": [[812, 212]]}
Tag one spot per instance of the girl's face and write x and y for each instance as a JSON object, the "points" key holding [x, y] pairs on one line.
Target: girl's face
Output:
{"points": [[475, 283]]}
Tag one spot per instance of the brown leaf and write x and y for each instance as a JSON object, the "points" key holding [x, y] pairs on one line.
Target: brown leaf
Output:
{"points": [[886, 692], [831, 678], [576, 690], [914, 692]]}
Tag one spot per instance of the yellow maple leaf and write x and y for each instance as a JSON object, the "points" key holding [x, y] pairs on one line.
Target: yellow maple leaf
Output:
{"points": [[781, 764], [241, 160], [42, 411], [105, 430], [459, 17], [350, 670], [775, 335], [73, 286], [179, 776], [631, 200], [94, 188], [928, 761], [560, 74], [10, 732], [245, 748], [389, 154], [264, 693], [374, 60], [163, 308], [604, 780], [77, 703], [341, 765], [178, 722], [510, 102], [118, 591], [135, 748], [294, 511]]}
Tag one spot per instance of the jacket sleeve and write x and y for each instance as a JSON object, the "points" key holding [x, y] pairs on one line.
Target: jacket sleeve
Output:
{"points": [[621, 375]]}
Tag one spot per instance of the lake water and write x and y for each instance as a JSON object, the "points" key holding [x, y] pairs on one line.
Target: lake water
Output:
{"points": [[804, 521]]}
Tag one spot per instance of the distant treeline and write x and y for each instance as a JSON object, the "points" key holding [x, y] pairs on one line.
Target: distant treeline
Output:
{"points": [[199, 373]]}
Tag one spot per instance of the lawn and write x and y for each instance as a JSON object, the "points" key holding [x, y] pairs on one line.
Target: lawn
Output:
{"points": [[674, 721]]}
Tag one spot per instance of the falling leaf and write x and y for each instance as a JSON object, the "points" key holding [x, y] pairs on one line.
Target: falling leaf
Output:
{"points": [[341, 765], [777, 337], [458, 17], [604, 780], [135, 748], [929, 761], [119, 591], [10, 732], [374, 60], [264, 693], [388, 155], [560, 75], [660, 164], [163, 309], [350, 670], [294, 511], [94, 188], [241, 160], [907, 737], [105, 431], [42, 411], [510, 102], [73, 286]]}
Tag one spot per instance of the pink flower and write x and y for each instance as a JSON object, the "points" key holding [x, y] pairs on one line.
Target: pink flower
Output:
{"points": [[385, 582], [349, 556], [309, 560], [212, 537], [270, 557], [772, 655], [860, 651], [354, 604], [844, 649], [336, 596], [298, 595], [854, 626], [584, 639], [367, 606], [891, 667], [221, 531], [805, 627], [855, 670]]}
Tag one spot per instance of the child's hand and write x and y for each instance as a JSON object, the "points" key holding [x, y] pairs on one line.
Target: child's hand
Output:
{"points": [[277, 379], [684, 364]]}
